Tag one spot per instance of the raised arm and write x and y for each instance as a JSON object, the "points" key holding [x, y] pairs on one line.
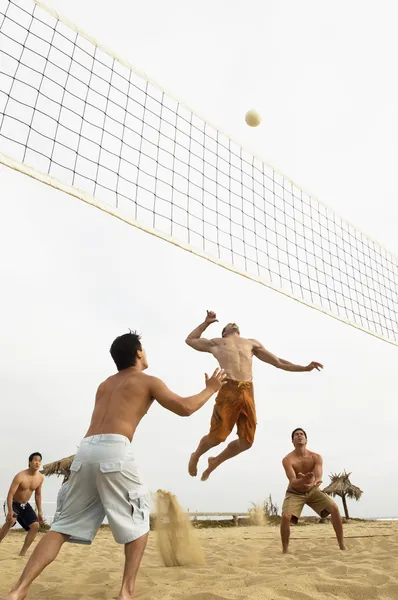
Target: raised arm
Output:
{"points": [[185, 407], [38, 500], [266, 356], [195, 341]]}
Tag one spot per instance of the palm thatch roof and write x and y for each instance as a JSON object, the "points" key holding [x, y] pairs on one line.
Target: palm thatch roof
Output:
{"points": [[58, 467], [340, 485]]}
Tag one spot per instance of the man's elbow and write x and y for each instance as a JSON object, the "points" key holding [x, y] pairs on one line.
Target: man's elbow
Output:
{"points": [[185, 411]]}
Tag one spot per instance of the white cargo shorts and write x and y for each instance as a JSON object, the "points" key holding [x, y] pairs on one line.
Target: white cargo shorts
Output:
{"points": [[104, 481]]}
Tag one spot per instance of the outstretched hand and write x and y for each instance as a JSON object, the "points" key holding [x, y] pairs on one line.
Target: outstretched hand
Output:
{"points": [[211, 317], [216, 381], [307, 480], [315, 365]]}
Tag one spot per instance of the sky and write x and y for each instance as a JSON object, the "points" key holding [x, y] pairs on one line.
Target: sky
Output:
{"points": [[74, 278]]}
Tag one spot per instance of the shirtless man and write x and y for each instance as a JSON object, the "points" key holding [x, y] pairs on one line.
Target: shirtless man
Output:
{"points": [[105, 480], [17, 504], [235, 402], [304, 471]]}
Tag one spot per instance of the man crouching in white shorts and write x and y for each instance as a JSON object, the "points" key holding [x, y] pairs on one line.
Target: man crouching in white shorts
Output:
{"points": [[104, 476]]}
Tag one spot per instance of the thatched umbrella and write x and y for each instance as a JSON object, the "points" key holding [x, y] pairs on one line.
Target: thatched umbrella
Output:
{"points": [[58, 467], [340, 485]]}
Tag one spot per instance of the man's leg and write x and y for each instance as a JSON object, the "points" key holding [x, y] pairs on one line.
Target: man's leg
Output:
{"points": [[285, 531], [30, 536], [133, 554], [44, 554], [233, 449], [337, 525], [205, 444], [246, 423], [5, 529]]}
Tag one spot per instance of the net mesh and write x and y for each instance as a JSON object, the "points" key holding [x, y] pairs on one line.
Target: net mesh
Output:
{"points": [[72, 110]]}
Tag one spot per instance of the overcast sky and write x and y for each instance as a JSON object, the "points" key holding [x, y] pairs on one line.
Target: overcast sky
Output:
{"points": [[74, 278]]}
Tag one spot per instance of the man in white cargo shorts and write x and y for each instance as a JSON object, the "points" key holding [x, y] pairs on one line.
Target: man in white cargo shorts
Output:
{"points": [[104, 476], [104, 482]]}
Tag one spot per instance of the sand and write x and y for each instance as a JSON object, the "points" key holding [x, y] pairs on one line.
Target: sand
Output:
{"points": [[177, 540], [242, 563]]}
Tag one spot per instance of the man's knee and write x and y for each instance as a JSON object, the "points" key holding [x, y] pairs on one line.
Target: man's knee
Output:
{"points": [[334, 510], [287, 518], [245, 444], [217, 438], [34, 527]]}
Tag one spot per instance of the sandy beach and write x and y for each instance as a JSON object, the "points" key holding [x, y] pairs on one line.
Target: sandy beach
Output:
{"points": [[242, 563]]}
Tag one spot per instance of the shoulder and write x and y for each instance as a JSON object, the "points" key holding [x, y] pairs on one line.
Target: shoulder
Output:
{"points": [[38, 482], [140, 383], [21, 476], [254, 343], [102, 386], [150, 382], [287, 459], [316, 456], [147, 379]]}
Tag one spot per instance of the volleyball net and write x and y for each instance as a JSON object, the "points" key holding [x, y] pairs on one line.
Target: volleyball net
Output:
{"points": [[76, 116]]}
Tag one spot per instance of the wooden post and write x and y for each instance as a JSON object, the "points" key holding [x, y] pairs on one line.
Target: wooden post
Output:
{"points": [[235, 520]]}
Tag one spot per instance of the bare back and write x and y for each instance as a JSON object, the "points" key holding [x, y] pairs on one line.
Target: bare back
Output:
{"points": [[235, 355], [121, 402], [27, 484]]}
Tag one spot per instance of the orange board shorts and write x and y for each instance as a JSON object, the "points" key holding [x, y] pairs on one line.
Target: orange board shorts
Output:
{"points": [[234, 406]]}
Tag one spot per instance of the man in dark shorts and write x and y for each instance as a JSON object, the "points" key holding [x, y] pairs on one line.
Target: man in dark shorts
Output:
{"points": [[17, 507]]}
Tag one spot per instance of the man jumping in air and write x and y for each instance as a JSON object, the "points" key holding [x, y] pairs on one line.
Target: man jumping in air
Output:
{"points": [[235, 401]]}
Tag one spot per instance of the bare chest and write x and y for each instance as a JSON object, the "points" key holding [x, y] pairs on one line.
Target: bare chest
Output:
{"points": [[233, 352], [303, 465], [29, 484]]}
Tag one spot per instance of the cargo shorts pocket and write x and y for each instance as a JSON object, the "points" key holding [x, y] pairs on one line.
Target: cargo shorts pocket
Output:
{"points": [[140, 506], [111, 467], [75, 466]]}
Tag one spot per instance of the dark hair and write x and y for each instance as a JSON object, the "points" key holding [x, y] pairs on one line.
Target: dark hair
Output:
{"points": [[31, 457], [222, 333], [124, 350], [299, 429]]}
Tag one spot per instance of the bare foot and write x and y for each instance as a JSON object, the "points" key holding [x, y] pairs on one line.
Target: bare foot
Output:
{"points": [[22, 553], [285, 551], [193, 465], [212, 465], [123, 597], [342, 547], [14, 596]]}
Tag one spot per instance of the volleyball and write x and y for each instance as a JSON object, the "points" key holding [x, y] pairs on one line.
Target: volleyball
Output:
{"points": [[252, 118]]}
